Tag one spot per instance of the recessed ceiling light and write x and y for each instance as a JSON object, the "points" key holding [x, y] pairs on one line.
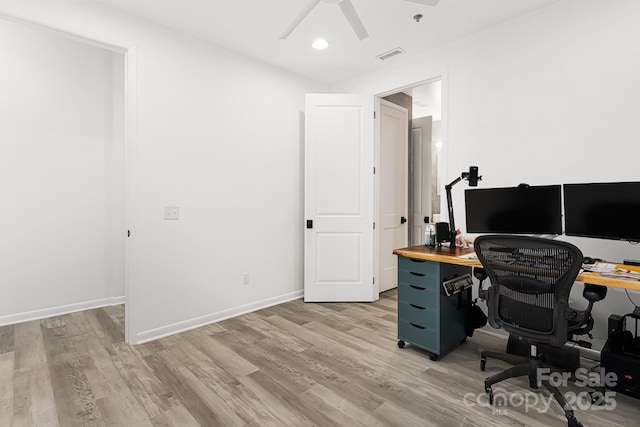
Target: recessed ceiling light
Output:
{"points": [[320, 44]]}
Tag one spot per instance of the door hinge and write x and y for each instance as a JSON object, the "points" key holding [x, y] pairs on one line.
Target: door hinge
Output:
{"points": [[374, 170], [128, 233], [374, 114], [374, 280], [374, 225]]}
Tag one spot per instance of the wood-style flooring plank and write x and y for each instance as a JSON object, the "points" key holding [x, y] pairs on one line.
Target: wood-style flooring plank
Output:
{"points": [[110, 325], [342, 411], [28, 346], [393, 415], [6, 339], [324, 372], [221, 355], [229, 394], [269, 394], [176, 416], [153, 397], [289, 377], [288, 402], [172, 373], [34, 404], [6, 389], [75, 402]]}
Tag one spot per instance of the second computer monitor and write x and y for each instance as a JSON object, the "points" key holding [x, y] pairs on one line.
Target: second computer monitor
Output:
{"points": [[515, 210], [606, 210]]}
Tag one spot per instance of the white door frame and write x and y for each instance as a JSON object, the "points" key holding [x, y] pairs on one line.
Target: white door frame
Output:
{"points": [[130, 138], [444, 78]]}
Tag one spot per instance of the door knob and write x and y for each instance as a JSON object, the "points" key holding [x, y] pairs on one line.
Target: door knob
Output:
{"points": [[403, 220]]}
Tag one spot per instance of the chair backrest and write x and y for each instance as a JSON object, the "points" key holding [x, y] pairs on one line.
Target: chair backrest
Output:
{"points": [[531, 279]]}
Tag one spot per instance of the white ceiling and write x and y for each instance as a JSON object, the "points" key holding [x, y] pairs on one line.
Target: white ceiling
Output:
{"points": [[252, 27]]}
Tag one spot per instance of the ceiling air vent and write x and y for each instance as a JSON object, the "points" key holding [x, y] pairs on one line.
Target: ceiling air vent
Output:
{"points": [[391, 53]]}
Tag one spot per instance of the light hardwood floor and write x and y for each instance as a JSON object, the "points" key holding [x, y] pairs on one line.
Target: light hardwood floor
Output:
{"points": [[294, 364]]}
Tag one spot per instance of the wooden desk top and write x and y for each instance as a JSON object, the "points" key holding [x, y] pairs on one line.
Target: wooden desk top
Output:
{"points": [[453, 256]]}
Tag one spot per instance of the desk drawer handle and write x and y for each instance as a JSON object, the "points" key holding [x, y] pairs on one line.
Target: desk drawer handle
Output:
{"points": [[417, 287], [416, 326], [417, 260], [417, 274], [416, 306]]}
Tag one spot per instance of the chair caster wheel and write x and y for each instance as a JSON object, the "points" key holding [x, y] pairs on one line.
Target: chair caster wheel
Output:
{"points": [[573, 422], [401, 344], [597, 397], [483, 364]]}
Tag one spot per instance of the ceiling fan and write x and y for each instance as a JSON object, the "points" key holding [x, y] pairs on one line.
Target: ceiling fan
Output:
{"points": [[349, 12]]}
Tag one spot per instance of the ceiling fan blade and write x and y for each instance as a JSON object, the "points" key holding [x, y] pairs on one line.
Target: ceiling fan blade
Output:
{"points": [[298, 19], [425, 2], [353, 18]]}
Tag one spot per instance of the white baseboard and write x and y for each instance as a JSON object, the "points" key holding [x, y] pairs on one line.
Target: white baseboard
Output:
{"points": [[185, 325], [59, 310]]}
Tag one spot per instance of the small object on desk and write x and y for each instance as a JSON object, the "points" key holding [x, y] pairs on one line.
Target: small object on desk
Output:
{"points": [[619, 275], [466, 240], [627, 271], [429, 234], [442, 233], [632, 262], [589, 260], [599, 267]]}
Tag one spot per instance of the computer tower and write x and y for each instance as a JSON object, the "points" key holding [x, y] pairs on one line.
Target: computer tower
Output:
{"points": [[616, 326], [627, 369], [621, 356]]}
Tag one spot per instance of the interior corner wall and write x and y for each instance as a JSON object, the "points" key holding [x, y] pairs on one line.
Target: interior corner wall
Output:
{"points": [[221, 136], [548, 98], [59, 176]]}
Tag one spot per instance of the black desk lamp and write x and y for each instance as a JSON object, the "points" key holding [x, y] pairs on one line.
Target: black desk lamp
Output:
{"points": [[473, 178]]}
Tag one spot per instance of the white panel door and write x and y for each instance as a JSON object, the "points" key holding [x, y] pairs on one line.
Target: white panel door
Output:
{"points": [[419, 179], [394, 192], [338, 244], [416, 223]]}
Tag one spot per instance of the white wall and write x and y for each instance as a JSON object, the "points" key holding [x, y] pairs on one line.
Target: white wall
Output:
{"points": [[60, 176], [220, 136], [550, 97]]}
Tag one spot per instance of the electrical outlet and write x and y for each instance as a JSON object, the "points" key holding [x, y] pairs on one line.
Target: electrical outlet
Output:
{"points": [[245, 279], [171, 212]]}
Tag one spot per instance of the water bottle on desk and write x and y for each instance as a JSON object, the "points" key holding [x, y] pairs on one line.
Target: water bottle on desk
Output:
{"points": [[429, 233]]}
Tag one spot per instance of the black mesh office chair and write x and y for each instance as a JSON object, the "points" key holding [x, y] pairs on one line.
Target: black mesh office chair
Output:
{"points": [[529, 297]]}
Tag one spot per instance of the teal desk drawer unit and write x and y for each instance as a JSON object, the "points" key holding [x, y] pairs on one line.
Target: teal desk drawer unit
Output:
{"points": [[427, 317]]}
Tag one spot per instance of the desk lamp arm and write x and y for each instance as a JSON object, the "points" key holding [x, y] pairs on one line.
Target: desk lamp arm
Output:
{"points": [[473, 178]]}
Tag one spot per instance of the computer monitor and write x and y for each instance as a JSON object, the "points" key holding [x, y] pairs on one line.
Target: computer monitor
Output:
{"points": [[515, 210], [603, 210]]}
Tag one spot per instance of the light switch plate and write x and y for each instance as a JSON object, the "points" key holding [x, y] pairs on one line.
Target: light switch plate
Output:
{"points": [[171, 212]]}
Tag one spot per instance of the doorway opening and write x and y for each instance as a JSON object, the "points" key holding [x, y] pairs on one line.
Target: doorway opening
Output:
{"points": [[421, 180], [69, 165]]}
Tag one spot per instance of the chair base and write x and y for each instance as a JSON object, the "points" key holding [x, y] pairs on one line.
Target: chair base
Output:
{"points": [[562, 358], [525, 366]]}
